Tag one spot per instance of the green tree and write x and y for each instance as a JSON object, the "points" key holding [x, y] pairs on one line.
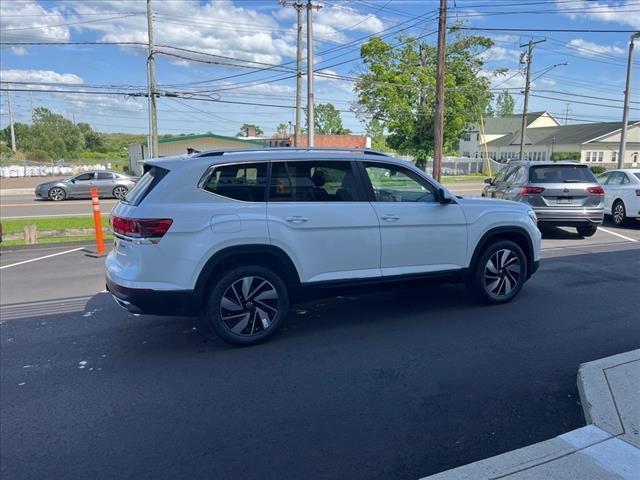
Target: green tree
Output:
{"points": [[398, 86], [375, 130], [505, 104], [328, 120], [247, 126], [489, 111], [282, 130], [22, 135], [54, 134]]}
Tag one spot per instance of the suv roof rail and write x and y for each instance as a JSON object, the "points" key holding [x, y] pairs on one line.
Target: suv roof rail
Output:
{"points": [[231, 151]]}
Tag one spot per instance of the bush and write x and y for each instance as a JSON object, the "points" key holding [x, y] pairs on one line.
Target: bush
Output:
{"points": [[37, 156], [565, 156], [597, 169]]}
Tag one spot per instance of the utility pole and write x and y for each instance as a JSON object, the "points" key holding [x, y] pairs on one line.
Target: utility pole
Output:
{"points": [[527, 87], [566, 113], [11, 129], [297, 4], [625, 109], [31, 104], [151, 75], [438, 129], [310, 98]]}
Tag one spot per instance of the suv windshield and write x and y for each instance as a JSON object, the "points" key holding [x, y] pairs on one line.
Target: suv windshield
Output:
{"points": [[561, 174]]}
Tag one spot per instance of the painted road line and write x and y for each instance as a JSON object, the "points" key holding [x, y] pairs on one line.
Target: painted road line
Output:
{"points": [[42, 258], [617, 234]]}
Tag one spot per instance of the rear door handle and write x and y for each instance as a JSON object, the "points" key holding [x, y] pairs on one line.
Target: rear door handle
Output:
{"points": [[296, 219], [390, 217]]}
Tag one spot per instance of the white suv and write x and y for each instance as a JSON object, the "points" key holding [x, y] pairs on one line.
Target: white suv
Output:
{"points": [[240, 235]]}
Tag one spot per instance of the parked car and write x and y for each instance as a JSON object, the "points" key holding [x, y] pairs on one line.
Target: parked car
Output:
{"points": [[621, 194], [561, 193], [240, 235], [109, 184]]}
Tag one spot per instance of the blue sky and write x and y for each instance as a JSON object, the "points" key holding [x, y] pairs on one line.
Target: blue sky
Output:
{"points": [[261, 33]]}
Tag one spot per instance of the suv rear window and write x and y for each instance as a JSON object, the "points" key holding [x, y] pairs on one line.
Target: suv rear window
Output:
{"points": [[147, 183], [561, 174], [243, 181]]}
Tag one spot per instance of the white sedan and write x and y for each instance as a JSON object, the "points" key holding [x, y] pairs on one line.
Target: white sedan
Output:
{"points": [[621, 194]]}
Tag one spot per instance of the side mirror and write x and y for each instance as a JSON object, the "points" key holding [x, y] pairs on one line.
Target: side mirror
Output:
{"points": [[445, 196], [488, 181], [73, 180]]}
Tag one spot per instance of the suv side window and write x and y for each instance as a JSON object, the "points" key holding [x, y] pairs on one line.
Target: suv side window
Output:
{"points": [[243, 181], [84, 177], [314, 181], [105, 176], [393, 183]]}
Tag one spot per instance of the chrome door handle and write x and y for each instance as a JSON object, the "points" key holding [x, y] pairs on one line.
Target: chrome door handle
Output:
{"points": [[390, 216], [296, 219]]}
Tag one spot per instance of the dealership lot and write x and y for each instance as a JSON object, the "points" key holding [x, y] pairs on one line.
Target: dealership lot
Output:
{"points": [[392, 385]]}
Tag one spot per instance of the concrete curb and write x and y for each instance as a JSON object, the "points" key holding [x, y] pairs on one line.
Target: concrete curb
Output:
{"points": [[605, 449]]}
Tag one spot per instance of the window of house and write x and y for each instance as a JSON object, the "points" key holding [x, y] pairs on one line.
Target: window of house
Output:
{"points": [[587, 156], [467, 137], [477, 137], [243, 181], [634, 157], [315, 181], [614, 156], [396, 184], [465, 154]]}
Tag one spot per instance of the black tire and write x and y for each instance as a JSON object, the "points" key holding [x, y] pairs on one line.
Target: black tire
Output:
{"points": [[120, 191], [587, 230], [258, 316], [57, 194], [618, 213], [504, 284]]}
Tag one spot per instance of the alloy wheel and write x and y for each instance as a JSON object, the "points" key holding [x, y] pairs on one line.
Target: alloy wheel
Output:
{"points": [[249, 306], [502, 273], [618, 213], [120, 192], [57, 194]]}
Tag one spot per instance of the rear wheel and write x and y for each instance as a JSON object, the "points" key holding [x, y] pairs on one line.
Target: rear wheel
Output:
{"points": [[500, 272], [587, 230], [618, 213], [247, 305], [57, 194], [119, 192]]}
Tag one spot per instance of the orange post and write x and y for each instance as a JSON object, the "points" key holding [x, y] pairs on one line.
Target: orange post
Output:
{"points": [[95, 202]]}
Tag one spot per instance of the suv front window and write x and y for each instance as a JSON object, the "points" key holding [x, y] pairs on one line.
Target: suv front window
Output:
{"points": [[397, 184]]}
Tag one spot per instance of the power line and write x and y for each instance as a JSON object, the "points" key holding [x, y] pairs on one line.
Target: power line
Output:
{"points": [[564, 30]]}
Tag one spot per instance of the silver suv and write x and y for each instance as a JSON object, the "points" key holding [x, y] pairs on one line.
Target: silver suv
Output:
{"points": [[561, 193]]}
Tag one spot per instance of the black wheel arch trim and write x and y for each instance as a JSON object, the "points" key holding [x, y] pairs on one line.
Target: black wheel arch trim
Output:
{"points": [[485, 240], [270, 252]]}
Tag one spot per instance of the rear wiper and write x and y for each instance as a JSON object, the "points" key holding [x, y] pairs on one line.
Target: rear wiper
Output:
{"points": [[572, 181]]}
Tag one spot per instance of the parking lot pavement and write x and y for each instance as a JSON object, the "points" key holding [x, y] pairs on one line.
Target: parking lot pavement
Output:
{"points": [[399, 384], [21, 206]]}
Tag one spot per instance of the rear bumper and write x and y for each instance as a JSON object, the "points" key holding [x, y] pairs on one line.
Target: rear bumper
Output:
{"points": [[567, 217], [155, 302]]}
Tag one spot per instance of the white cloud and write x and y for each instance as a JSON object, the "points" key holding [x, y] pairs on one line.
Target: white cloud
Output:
{"points": [[586, 48], [547, 82], [39, 76], [19, 17], [495, 54], [615, 12]]}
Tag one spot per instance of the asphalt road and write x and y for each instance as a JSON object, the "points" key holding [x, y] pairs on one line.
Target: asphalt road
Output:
{"points": [[399, 384]]}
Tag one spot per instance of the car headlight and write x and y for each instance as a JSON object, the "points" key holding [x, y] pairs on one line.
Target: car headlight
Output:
{"points": [[532, 216]]}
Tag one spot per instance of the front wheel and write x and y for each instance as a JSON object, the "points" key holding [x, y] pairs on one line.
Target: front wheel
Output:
{"points": [[500, 272], [587, 230], [57, 194], [247, 305]]}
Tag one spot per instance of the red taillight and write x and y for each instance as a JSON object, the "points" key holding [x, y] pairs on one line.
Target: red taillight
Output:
{"points": [[596, 190], [140, 227], [531, 191]]}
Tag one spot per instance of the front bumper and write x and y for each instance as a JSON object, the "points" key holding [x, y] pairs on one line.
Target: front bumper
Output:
{"points": [[155, 302], [570, 217]]}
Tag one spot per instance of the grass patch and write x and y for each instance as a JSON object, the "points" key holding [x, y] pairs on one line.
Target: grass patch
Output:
{"points": [[51, 223]]}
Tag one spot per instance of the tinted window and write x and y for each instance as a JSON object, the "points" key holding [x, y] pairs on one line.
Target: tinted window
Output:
{"points": [[105, 176], [317, 181], [396, 184], [147, 183], [618, 178], [84, 177], [243, 181], [561, 174]]}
